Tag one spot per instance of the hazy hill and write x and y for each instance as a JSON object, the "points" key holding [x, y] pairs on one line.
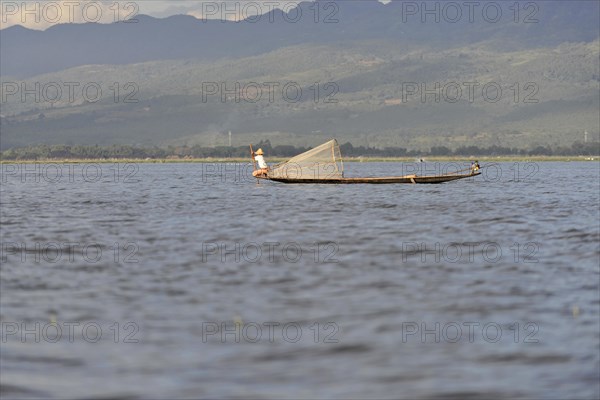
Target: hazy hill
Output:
{"points": [[548, 72], [27, 52]]}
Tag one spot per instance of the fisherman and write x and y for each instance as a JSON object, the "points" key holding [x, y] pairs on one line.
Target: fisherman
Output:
{"points": [[474, 166], [263, 168]]}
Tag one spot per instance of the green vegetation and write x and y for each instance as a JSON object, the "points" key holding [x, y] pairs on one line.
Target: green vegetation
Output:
{"points": [[171, 153], [549, 99]]}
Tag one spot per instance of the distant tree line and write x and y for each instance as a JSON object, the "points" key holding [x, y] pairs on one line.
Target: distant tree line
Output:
{"points": [[42, 152]]}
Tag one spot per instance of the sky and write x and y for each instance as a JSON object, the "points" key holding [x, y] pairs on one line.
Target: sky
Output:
{"points": [[40, 15]]}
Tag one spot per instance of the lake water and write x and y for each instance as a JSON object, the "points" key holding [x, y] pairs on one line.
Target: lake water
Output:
{"points": [[192, 280]]}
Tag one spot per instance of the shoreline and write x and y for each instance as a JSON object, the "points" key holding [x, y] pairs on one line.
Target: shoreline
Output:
{"points": [[487, 159]]}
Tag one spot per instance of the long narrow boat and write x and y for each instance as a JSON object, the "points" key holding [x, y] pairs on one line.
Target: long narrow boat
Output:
{"points": [[324, 165], [431, 179]]}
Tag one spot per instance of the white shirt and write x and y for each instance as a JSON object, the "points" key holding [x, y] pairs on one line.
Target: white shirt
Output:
{"points": [[261, 161]]}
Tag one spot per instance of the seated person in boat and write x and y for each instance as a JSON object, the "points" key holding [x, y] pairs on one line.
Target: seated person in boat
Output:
{"points": [[474, 166], [263, 168]]}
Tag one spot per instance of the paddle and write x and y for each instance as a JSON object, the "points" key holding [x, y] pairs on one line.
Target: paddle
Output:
{"points": [[253, 163]]}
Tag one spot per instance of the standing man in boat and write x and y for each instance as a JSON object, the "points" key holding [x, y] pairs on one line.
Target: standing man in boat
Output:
{"points": [[263, 168]]}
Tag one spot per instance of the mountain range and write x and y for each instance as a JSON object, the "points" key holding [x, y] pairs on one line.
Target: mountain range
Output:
{"points": [[415, 74]]}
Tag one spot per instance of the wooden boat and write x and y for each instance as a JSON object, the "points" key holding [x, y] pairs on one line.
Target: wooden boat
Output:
{"points": [[414, 179], [324, 165]]}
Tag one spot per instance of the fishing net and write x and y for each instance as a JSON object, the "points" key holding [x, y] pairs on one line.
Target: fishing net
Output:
{"points": [[322, 162]]}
